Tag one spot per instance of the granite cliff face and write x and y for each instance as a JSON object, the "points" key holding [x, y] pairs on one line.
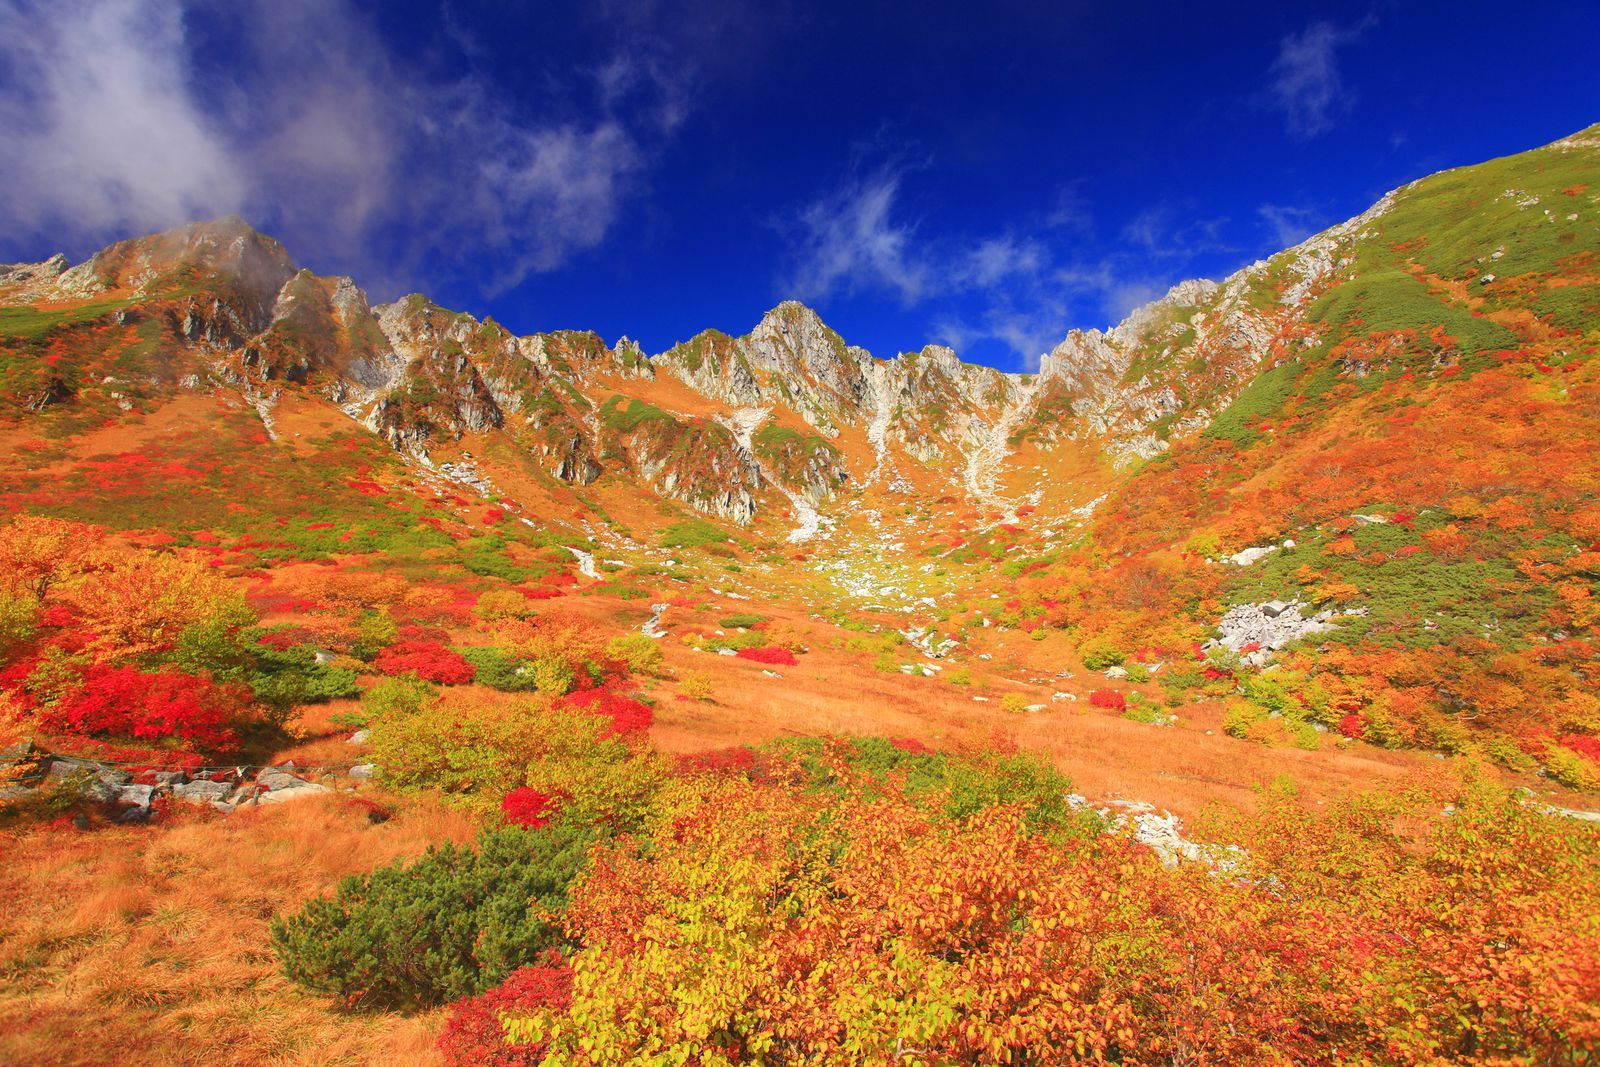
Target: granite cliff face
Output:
{"points": [[419, 374], [774, 416]]}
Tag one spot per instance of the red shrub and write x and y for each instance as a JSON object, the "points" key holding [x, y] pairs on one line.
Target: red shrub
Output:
{"points": [[1353, 725], [1108, 698], [1583, 745], [526, 806], [911, 745], [736, 760], [125, 702], [474, 1035], [627, 716], [1253, 646], [771, 654], [428, 660]]}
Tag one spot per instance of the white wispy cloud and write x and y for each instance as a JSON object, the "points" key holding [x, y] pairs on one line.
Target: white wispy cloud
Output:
{"points": [[1021, 287], [847, 240], [1288, 225], [108, 134], [1306, 84], [326, 136]]}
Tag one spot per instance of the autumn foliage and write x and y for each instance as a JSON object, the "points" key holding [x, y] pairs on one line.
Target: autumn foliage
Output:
{"points": [[773, 656]]}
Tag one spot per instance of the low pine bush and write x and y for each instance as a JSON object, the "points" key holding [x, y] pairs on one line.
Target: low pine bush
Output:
{"points": [[453, 924]]}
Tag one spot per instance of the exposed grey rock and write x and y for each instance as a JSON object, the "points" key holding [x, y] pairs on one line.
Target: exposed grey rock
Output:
{"points": [[202, 791], [1272, 626], [1162, 832], [285, 793], [1116, 673], [360, 737], [273, 779], [1245, 557], [137, 795], [364, 770]]}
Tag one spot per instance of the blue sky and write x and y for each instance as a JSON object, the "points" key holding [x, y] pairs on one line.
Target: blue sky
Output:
{"points": [[987, 176]]}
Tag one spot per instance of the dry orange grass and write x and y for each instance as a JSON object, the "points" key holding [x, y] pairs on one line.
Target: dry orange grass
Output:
{"points": [[150, 944], [1182, 768]]}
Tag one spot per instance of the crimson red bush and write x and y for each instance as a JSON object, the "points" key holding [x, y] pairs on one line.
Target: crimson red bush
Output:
{"points": [[428, 660], [127, 702], [736, 760], [474, 1035], [771, 654], [526, 806], [1583, 745], [1108, 698], [627, 716]]}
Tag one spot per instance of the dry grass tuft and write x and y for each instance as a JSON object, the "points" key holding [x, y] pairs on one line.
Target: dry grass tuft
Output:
{"points": [[155, 938]]}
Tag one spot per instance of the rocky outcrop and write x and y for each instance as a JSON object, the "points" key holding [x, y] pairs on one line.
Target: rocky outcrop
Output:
{"points": [[1265, 628]]}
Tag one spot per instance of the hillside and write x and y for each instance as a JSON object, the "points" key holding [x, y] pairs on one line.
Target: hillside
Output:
{"points": [[729, 615]]}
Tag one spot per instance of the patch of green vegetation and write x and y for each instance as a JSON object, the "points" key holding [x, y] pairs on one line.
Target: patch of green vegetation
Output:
{"points": [[1571, 307], [29, 324], [1412, 597], [626, 416], [486, 556], [742, 620], [1261, 398], [1394, 300], [692, 533], [502, 670], [960, 785], [1450, 222]]}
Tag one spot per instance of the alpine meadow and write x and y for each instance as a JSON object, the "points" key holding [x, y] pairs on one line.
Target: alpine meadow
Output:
{"points": [[380, 685]]}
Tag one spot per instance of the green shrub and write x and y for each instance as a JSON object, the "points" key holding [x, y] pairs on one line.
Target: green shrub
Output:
{"points": [[1239, 719], [692, 533], [499, 669], [1100, 652], [375, 631], [960, 785], [454, 923], [394, 698], [743, 620], [19, 617], [554, 677], [749, 639]]}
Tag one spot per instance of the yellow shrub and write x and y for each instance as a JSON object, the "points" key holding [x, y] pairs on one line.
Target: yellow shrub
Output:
{"points": [[640, 654], [499, 604], [697, 685]]}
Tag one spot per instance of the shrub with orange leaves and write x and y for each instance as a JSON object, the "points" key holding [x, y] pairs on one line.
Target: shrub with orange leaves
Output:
{"points": [[854, 924]]}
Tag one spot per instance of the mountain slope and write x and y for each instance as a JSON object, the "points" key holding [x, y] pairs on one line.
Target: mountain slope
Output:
{"points": [[1388, 428]]}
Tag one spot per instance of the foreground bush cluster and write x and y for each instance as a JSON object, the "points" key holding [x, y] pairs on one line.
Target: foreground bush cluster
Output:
{"points": [[876, 902]]}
